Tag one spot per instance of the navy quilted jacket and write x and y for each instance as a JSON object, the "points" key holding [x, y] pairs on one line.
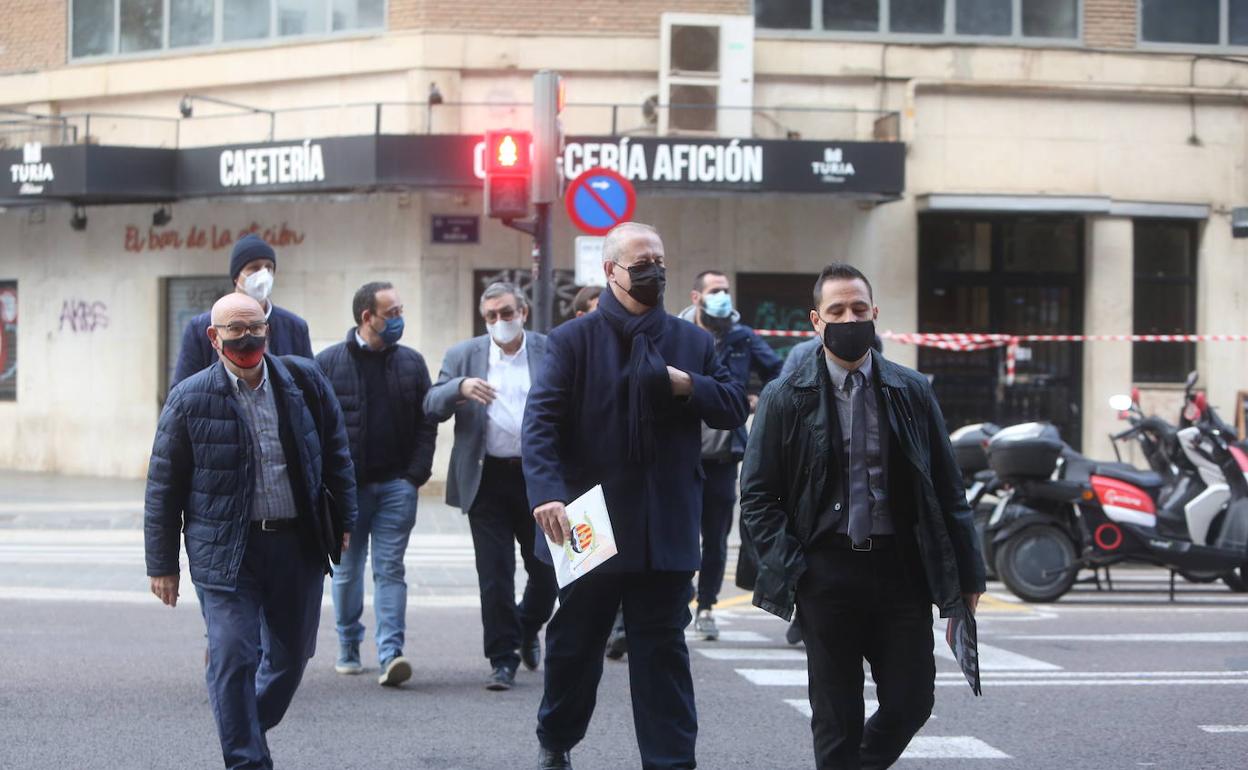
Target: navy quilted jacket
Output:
{"points": [[201, 475], [408, 377]]}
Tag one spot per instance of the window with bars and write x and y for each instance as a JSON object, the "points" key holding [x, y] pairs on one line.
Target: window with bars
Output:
{"points": [[1019, 20], [1165, 298], [127, 27]]}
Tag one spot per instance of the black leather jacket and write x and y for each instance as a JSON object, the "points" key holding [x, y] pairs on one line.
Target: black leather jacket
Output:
{"points": [[790, 476]]}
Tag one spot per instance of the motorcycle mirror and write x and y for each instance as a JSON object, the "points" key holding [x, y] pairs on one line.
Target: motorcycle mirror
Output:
{"points": [[1120, 402], [1135, 396], [1192, 377]]}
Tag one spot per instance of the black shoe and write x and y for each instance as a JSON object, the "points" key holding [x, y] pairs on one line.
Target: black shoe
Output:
{"points": [[501, 679], [531, 651], [794, 633], [617, 645], [553, 760]]}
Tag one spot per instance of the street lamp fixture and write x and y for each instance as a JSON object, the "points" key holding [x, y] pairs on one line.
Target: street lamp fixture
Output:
{"points": [[162, 216], [186, 106], [79, 220]]}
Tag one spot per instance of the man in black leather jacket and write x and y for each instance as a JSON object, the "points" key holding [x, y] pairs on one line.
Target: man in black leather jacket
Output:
{"points": [[854, 503]]}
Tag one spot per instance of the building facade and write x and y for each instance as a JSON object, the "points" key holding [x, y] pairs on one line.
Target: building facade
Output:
{"points": [[999, 166]]}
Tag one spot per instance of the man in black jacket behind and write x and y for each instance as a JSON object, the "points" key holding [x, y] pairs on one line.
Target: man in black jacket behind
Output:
{"points": [[854, 503], [381, 386]]}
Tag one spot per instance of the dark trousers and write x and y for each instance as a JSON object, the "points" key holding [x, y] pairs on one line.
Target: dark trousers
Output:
{"points": [[856, 605], [498, 518], [656, 611], [719, 495], [260, 638]]}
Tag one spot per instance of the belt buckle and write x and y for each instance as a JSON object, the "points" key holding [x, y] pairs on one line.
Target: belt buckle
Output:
{"points": [[264, 526], [854, 546]]}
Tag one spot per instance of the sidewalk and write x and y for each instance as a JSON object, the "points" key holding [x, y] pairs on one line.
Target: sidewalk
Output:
{"points": [[52, 501]]}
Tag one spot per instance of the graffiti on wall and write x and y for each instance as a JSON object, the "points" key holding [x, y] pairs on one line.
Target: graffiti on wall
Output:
{"points": [[212, 238], [81, 316], [8, 340]]}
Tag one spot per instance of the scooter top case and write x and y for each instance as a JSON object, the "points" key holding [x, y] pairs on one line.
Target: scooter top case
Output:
{"points": [[969, 446], [1025, 452]]}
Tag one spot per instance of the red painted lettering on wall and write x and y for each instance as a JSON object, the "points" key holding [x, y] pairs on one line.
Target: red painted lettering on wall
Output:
{"points": [[213, 238]]}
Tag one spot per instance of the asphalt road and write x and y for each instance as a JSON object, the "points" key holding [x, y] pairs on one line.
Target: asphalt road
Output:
{"points": [[94, 673]]}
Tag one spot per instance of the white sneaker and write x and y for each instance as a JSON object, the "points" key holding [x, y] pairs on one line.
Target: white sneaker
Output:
{"points": [[705, 625]]}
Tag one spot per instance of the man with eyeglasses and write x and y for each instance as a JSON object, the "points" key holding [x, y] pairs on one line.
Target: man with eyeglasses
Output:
{"points": [[253, 265], [381, 386], [620, 402], [243, 450], [484, 384]]}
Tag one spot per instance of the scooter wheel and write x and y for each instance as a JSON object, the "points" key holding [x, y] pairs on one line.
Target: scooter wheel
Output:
{"points": [[1036, 563], [1235, 580]]}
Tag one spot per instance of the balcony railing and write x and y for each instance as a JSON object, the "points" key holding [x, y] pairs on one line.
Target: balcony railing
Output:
{"points": [[296, 123]]}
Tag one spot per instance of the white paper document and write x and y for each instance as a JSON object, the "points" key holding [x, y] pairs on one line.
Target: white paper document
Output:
{"points": [[592, 540]]}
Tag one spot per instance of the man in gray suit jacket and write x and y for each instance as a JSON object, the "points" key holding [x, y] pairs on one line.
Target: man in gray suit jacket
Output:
{"points": [[484, 383]]}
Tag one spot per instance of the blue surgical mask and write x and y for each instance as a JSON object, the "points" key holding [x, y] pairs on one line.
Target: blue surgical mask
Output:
{"points": [[717, 305], [393, 330]]}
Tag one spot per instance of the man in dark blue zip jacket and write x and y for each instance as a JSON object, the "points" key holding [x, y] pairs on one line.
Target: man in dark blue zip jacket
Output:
{"points": [[238, 466], [743, 353]]}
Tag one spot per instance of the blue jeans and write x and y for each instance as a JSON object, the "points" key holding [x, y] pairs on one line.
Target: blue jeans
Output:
{"points": [[387, 515], [274, 610]]}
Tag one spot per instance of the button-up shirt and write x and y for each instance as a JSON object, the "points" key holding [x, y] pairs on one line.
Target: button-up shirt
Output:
{"points": [[272, 496], [881, 521], [509, 376]]}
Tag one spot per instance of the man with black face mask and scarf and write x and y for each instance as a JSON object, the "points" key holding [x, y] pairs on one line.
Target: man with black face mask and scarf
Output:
{"points": [[855, 506], [620, 402], [744, 353]]}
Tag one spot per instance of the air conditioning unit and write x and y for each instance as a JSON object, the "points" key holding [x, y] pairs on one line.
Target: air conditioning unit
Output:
{"points": [[706, 74]]}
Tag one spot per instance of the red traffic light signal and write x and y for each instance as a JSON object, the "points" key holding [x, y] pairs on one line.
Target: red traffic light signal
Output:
{"points": [[507, 152], [507, 170]]}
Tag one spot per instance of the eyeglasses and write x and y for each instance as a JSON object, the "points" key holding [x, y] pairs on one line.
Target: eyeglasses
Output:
{"points": [[232, 331], [506, 314]]}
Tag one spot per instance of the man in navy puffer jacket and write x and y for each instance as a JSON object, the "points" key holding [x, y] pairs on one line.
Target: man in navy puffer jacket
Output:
{"points": [[238, 465]]}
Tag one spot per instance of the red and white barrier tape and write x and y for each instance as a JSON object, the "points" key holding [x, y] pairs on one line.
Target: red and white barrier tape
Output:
{"points": [[975, 342]]}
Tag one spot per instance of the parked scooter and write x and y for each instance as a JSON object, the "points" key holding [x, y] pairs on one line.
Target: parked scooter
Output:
{"points": [[970, 448], [1065, 512]]}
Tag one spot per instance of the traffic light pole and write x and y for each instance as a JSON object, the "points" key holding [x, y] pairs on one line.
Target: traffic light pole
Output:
{"points": [[543, 271]]}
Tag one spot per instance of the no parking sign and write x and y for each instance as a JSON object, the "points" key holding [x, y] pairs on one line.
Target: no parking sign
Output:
{"points": [[600, 199]]}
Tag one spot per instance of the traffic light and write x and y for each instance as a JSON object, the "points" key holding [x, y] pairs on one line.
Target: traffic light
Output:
{"points": [[507, 172]]}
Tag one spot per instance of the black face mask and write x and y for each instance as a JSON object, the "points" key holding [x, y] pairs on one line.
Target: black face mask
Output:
{"points": [[646, 283], [849, 341]]}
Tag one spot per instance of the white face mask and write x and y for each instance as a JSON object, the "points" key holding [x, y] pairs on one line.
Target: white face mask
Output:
{"points": [[504, 332], [258, 285]]}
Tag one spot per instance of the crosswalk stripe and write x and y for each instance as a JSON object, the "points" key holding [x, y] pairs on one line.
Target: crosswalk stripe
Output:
{"points": [[1225, 728], [996, 659], [738, 636], [869, 706], [1198, 637], [740, 653], [951, 747], [791, 677]]}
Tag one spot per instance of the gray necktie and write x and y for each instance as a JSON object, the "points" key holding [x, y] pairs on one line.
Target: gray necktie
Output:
{"points": [[859, 482]]}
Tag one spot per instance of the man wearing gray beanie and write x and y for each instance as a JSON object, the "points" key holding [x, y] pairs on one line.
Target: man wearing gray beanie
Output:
{"points": [[253, 264]]}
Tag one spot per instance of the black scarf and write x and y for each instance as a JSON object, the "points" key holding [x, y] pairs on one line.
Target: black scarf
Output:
{"points": [[648, 381]]}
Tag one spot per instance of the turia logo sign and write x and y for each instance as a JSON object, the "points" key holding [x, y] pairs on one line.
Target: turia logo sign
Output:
{"points": [[32, 173], [833, 169]]}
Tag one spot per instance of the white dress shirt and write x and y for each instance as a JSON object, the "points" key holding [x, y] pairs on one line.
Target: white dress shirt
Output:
{"points": [[509, 376]]}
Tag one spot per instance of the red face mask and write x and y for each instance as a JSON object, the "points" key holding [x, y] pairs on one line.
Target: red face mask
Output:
{"points": [[245, 352]]}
